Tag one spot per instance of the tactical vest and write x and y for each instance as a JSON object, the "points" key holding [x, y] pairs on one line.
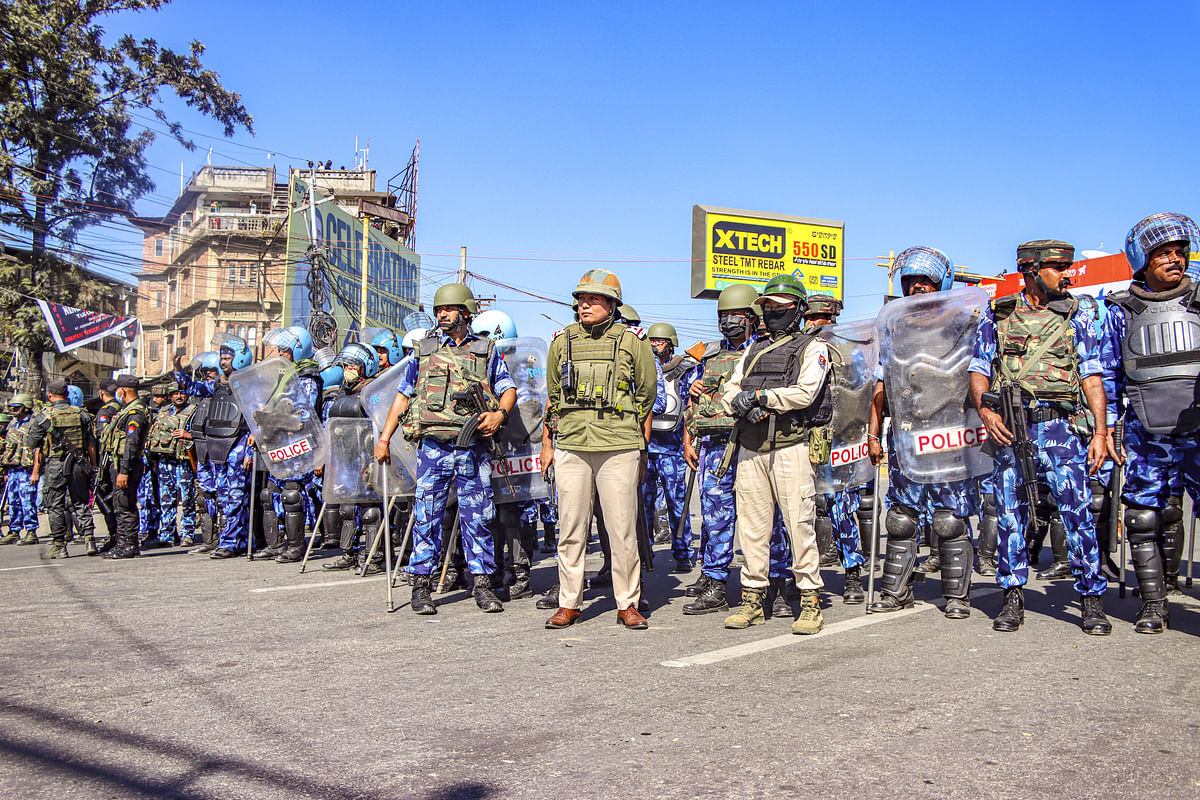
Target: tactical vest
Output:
{"points": [[774, 365], [17, 452], [444, 370], [706, 416], [592, 380], [68, 422], [223, 425], [1161, 356], [673, 372], [160, 441], [116, 434], [103, 416], [199, 420], [1020, 331], [346, 405], [310, 369]]}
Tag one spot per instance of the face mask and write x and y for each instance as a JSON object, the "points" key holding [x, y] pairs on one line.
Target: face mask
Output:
{"points": [[350, 376], [780, 319], [732, 327]]}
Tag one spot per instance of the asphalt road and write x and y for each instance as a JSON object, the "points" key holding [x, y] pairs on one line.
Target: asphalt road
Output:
{"points": [[178, 676]]}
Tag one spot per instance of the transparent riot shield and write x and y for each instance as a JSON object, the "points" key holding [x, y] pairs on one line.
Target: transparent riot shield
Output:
{"points": [[352, 475], [285, 426], [376, 398], [518, 476], [853, 354], [925, 345]]}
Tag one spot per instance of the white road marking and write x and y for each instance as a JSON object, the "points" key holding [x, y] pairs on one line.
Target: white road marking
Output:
{"points": [[354, 581], [749, 648], [33, 566]]}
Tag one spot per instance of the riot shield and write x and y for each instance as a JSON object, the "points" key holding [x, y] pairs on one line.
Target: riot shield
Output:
{"points": [[853, 354], [925, 346], [352, 475], [376, 399], [418, 319], [518, 476], [284, 424]]}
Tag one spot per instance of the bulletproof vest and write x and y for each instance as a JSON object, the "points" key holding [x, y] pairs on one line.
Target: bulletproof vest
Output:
{"points": [[68, 422], [159, 441], [444, 370], [592, 377], [103, 416], [345, 405], [707, 415], [17, 452], [224, 423], [673, 372], [1020, 334], [1161, 356], [308, 368], [115, 434], [199, 420], [772, 364]]}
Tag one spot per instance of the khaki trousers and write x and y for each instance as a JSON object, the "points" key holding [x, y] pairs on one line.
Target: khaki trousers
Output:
{"points": [[612, 475], [783, 477]]}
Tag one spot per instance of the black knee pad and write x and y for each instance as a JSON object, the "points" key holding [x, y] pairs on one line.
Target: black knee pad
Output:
{"points": [[1143, 524], [822, 504], [1173, 513], [989, 505], [346, 511], [1096, 504], [948, 527], [292, 499], [265, 496], [371, 516], [901, 523]]}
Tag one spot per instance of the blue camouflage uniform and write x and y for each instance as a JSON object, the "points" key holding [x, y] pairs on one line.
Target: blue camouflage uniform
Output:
{"points": [[22, 511], [1061, 460], [147, 500], [176, 492], [843, 513], [665, 464], [469, 469]]}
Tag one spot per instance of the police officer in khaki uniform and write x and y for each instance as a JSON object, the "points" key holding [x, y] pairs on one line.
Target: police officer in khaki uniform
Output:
{"points": [[124, 440], [778, 392], [602, 384], [65, 431]]}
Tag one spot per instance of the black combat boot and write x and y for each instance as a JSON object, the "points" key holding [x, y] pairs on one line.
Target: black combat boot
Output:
{"points": [[126, 547], [852, 593], [293, 524], [1061, 568], [711, 599], [485, 598], [1094, 622], [1012, 614], [422, 600], [1152, 617], [694, 589], [520, 586], [549, 538], [347, 560], [776, 598], [933, 563], [550, 600]]}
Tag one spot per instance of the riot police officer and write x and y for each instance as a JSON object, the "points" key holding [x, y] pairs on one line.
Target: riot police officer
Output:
{"points": [[388, 349], [1043, 342], [778, 392], [125, 438], [1150, 351], [65, 431], [171, 450], [18, 462], [664, 460], [449, 365], [149, 513]]}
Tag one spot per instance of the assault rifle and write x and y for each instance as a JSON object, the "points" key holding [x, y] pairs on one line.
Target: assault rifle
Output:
{"points": [[1008, 403], [97, 497], [477, 402]]}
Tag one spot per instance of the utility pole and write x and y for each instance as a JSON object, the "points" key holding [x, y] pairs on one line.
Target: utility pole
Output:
{"points": [[366, 249], [887, 263], [462, 264]]}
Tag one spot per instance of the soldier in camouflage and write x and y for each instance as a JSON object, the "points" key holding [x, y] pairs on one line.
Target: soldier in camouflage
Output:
{"points": [[66, 433], [18, 460], [169, 444], [149, 513], [124, 441]]}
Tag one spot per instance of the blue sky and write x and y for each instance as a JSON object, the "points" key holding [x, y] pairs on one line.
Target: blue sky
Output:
{"points": [[550, 130]]}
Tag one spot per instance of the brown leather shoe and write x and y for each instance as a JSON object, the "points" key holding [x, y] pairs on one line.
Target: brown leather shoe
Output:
{"points": [[563, 618], [631, 619]]}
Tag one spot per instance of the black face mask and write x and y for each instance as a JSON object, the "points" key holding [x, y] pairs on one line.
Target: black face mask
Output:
{"points": [[781, 319], [732, 327]]}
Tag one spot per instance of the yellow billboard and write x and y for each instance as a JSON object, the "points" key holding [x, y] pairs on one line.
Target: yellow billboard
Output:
{"points": [[731, 246]]}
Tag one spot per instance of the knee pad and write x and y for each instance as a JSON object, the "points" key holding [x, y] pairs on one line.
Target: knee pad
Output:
{"points": [[822, 504], [1096, 504], [265, 495], [346, 511], [371, 516], [948, 527], [1143, 524], [989, 505], [1173, 513], [901, 523], [292, 499]]}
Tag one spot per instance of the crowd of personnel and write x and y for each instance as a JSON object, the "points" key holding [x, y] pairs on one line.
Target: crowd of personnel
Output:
{"points": [[1074, 411]]}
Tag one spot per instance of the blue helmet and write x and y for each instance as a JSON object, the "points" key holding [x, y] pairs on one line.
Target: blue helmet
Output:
{"points": [[75, 395], [494, 324], [360, 356], [413, 336], [236, 347], [387, 340], [927, 262], [294, 339], [1160, 229], [210, 360], [331, 376]]}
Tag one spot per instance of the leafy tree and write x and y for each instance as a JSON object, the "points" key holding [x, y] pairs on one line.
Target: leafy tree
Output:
{"points": [[73, 109]]}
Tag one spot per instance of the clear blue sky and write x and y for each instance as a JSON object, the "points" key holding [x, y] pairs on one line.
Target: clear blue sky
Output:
{"points": [[570, 128]]}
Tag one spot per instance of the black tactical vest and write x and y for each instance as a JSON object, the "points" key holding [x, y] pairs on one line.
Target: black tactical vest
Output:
{"points": [[345, 405], [223, 424], [771, 365]]}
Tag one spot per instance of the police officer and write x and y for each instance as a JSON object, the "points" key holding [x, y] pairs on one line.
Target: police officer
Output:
{"points": [[602, 386], [65, 431], [388, 349], [664, 460], [1150, 351], [947, 505], [227, 454], [448, 363], [778, 392], [104, 489], [18, 461], [149, 513], [1044, 341], [171, 451], [125, 438]]}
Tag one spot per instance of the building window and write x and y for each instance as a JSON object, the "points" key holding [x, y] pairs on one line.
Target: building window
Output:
{"points": [[153, 352], [158, 248], [232, 272], [252, 336], [158, 298]]}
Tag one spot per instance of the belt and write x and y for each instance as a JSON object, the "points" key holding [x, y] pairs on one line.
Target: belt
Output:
{"points": [[1046, 413]]}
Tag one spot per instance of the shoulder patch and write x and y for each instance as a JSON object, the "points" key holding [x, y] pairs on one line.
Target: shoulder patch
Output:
{"points": [[638, 332], [558, 333]]}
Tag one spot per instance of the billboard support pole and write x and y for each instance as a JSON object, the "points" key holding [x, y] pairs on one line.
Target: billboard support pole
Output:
{"points": [[366, 249]]}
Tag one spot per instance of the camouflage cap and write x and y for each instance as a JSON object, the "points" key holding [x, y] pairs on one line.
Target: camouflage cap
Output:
{"points": [[1032, 254], [160, 390], [174, 387], [823, 304]]}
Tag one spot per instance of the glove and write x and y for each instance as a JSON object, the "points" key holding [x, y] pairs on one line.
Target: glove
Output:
{"points": [[757, 414], [742, 403]]}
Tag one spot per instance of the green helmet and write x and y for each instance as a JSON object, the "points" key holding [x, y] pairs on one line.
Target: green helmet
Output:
{"points": [[736, 297], [22, 399], [601, 282], [630, 315], [1030, 255], [783, 288], [824, 304], [663, 330], [455, 294]]}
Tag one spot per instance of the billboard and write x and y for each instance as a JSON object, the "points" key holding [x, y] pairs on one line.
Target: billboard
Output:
{"points": [[731, 246], [392, 270]]}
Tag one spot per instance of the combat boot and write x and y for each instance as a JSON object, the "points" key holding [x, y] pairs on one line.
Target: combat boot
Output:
{"points": [[12, 537], [695, 589], [853, 593], [893, 602], [549, 538], [109, 544], [1012, 614], [550, 600], [1094, 622], [57, 550], [294, 530], [810, 620], [1061, 567], [89, 546], [750, 612], [933, 563], [1152, 618], [348, 560], [30, 537], [485, 598], [520, 586], [711, 599], [776, 598], [124, 549], [422, 600]]}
